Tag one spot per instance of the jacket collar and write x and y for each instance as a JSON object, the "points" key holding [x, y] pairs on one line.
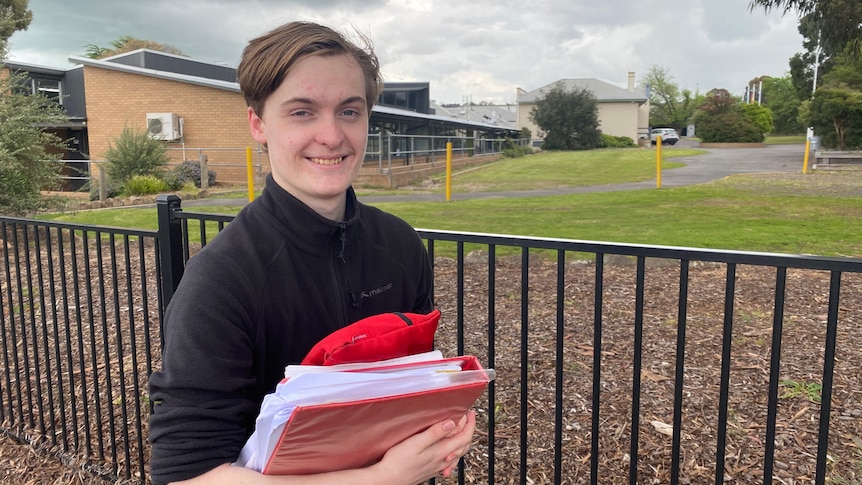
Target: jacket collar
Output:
{"points": [[304, 227]]}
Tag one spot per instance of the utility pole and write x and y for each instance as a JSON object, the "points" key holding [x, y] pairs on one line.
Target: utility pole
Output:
{"points": [[810, 133]]}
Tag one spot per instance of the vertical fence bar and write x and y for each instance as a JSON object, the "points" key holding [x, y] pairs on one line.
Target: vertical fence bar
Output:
{"points": [[682, 318], [46, 349], [492, 330], [636, 368], [558, 399], [55, 328], [597, 367], [106, 352], [133, 351], [76, 295], [460, 329], [828, 369], [525, 361], [67, 327], [121, 367], [724, 385], [6, 412], [91, 321], [774, 374], [34, 334], [17, 314]]}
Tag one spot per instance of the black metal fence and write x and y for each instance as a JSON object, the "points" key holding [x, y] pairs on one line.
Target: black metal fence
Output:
{"points": [[615, 363]]}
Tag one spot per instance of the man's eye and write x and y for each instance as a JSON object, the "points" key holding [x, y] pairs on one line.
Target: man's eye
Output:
{"points": [[351, 112], [300, 113]]}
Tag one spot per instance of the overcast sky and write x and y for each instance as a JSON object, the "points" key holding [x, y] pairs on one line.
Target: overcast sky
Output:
{"points": [[483, 49]]}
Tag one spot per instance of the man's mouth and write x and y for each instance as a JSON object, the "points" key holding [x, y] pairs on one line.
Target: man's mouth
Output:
{"points": [[327, 161]]}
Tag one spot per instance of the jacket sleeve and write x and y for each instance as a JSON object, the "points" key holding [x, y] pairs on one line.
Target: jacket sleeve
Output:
{"points": [[202, 411]]}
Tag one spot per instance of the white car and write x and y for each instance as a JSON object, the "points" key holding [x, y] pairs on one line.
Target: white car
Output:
{"points": [[668, 136]]}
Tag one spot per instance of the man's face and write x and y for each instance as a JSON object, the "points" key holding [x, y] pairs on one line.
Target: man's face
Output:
{"points": [[315, 126]]}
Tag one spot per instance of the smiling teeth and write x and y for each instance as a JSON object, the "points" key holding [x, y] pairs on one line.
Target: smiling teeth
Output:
{"points": [[327, 161]]}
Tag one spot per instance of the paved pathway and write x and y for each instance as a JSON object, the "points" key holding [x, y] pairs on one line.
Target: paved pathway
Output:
{"points": [[716, 164]]}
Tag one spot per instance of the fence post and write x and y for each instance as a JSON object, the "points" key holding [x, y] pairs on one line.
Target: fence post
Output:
{"points": [[103, 183], [170, 234], [205, 177]]}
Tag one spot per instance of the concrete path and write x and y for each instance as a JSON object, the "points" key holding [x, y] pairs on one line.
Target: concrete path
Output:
{"points": [[714, 165]]}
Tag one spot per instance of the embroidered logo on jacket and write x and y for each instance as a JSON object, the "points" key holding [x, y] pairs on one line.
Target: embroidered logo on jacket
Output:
{"points": [[376, 291]]}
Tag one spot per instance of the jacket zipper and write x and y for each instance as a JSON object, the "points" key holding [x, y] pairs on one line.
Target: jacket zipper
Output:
{"points": [[354, 300]]}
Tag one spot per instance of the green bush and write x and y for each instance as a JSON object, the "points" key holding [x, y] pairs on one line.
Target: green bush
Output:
{"points": [[611, 141], [722, 119], [145, 185], [729, 127], [513, 150], [189, 172], [134, 153], [112, 189]]}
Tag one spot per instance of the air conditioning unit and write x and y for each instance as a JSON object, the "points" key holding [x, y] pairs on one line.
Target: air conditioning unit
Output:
{"points": [[163, 126]]}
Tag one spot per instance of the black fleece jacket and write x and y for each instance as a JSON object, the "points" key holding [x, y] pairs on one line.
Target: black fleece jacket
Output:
{"points": [[273, 283]]}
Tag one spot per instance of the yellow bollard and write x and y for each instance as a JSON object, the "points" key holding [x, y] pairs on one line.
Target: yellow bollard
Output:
{"points": [[807, 151], [249, 173], [658, 162], [448, 170]]}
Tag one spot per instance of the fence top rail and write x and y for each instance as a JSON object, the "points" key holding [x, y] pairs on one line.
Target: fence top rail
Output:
{"points": [[800, 261], [80, 227], [202, 216]]}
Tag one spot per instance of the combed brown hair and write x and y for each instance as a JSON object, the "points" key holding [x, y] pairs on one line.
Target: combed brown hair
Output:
{"points": [[267, 59]]}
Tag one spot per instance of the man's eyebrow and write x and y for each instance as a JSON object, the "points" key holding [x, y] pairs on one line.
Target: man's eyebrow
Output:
{"points": [[299, 100]]}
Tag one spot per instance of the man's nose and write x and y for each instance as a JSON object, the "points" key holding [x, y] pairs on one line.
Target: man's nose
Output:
{"points": [[329, 131]]}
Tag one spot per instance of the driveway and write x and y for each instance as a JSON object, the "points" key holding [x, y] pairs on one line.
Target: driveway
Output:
{"points": [[716, 164]]}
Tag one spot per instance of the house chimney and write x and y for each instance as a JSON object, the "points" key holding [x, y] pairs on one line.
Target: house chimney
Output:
{"points": [[631, 81]]}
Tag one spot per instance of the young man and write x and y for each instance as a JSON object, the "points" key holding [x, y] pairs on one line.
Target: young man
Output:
{"points": [[301, 261]]}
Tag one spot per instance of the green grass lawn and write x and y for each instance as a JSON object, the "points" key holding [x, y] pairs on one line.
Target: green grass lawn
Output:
{"points": [[549, 170], [785, 140], [720, 215]]}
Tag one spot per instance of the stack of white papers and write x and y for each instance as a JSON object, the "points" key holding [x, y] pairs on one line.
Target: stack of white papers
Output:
{"points": [[306, 386]]}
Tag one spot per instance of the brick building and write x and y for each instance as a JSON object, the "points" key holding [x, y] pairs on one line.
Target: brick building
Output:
{"points": [[197, 109]]}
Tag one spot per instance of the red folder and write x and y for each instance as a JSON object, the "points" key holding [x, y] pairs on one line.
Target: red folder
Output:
{"points": [[338, 436]]}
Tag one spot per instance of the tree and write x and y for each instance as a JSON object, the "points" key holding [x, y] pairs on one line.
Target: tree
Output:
{"points": [[721, 119], [134, 153], [781, 98], [836, 109], [669, 107], [14, 16], [570, 119], [758, 115], [127, 44], [27, 164], [841, 110], [839, 21]]}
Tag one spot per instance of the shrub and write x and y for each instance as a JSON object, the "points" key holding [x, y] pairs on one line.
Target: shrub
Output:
{"points": [[513, 150], [144, 185], [611, 141], [728, 127], [134, 153], [28, 153], [721, 119], [189, 172], [113, 189]]}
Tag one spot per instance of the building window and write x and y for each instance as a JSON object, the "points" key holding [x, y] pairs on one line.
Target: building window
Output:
{"points": [[50, 88]]}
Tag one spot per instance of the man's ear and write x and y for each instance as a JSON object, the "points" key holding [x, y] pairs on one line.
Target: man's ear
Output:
{"points": [[256, 126]]}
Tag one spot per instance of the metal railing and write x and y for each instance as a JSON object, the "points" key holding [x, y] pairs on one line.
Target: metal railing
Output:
{"points": [[388, 151], [78, 329], [596, 347]]}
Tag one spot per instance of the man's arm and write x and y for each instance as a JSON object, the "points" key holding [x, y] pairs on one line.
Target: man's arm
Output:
{"points": [[419, 458]]}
